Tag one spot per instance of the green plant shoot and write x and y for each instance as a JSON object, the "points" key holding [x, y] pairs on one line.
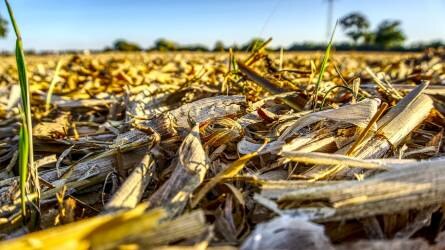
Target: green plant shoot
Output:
{"points": [[26, 151], [323, 67]]}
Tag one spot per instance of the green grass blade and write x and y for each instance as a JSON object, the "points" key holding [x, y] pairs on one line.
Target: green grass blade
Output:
{"points": [[323, 67], [14, 24], [23, 163], [26, 152]]}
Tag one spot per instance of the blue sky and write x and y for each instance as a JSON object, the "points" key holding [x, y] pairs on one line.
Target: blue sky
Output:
{"points": [[94, 24]]}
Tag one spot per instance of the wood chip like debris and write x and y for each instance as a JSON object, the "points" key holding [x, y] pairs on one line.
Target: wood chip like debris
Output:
{"points": [[206, 150]]}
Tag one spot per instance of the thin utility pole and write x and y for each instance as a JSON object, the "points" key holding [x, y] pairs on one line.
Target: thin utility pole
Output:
{"points": [[329, 21]]}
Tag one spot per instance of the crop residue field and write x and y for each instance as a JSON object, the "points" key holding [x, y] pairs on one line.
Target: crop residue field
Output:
{"points": [[226, 149]]}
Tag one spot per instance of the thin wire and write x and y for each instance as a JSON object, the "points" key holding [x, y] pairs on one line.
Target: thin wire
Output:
{"points": [[266, 22], [277, 3]]}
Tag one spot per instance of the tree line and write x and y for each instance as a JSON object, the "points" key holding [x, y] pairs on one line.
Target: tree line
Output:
{"points": [[388, 35], [122, 45]]}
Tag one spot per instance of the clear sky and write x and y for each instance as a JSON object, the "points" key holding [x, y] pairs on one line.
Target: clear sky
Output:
{"points": [[94, 24]]}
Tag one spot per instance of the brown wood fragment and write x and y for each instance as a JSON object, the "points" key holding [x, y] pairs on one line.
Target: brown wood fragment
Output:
{"points": [[191, 165], [131, 191]]}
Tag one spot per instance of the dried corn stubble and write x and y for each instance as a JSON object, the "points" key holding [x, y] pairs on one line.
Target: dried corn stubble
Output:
{"points": [[178, 132]]}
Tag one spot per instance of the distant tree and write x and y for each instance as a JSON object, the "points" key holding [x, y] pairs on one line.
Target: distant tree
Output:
{"points": [[3, 27], [369, 38], [356, 26], [32, 52], [235, 47], [436, 44], [122, 45], [306, 46], [194, 47], [165, 45], [389, 34], [219, 46], [252, 44]]}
